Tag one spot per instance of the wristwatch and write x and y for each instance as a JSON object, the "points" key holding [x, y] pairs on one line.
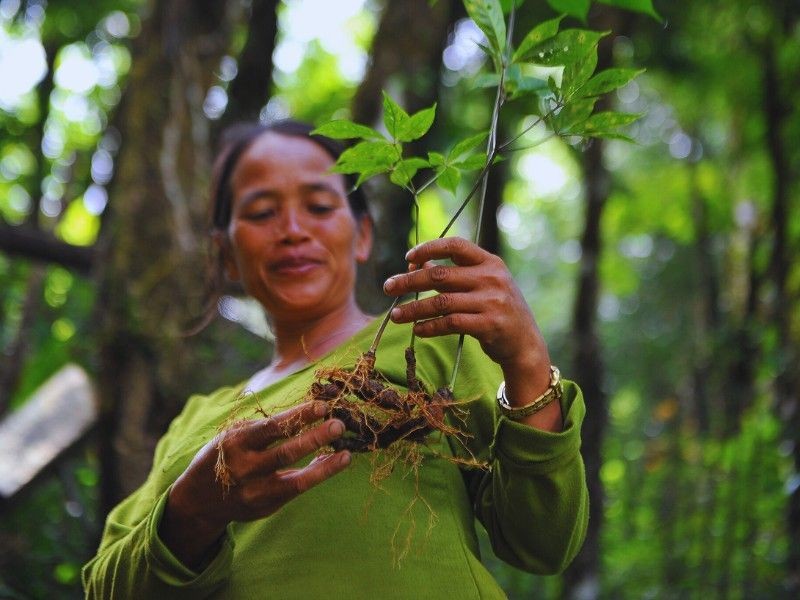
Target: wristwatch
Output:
{"points": [[554, 392]]}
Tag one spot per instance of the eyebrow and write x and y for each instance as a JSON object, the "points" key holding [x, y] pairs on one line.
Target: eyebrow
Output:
{"points": [[269, 193]]}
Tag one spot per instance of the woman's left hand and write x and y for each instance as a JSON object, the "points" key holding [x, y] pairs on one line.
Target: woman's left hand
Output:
{"points": [[478, 297]]}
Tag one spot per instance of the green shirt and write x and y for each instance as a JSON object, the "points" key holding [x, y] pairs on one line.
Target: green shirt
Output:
{"points": [[410, 535]]}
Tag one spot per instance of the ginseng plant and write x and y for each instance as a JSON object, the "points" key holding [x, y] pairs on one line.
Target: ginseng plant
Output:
{"points": [[551, 74]]}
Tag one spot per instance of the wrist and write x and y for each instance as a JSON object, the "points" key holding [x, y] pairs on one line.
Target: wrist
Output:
{"points": [[190, 537], [526, 377]]}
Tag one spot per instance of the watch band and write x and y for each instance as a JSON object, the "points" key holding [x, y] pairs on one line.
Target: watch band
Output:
{"points": [[515, 413]]}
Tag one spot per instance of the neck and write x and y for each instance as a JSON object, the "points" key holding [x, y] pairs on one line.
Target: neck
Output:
{"points": [[309, 339]]}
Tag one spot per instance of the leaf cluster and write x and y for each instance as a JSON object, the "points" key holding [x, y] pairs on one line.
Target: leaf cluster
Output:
{"points": [[379, 153], [552, 70]]}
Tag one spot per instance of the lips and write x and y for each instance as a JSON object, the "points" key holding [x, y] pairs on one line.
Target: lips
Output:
{"points": [[294, 265]]}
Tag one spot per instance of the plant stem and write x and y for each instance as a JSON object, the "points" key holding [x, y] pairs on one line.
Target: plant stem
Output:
{"points": [[416, 243], [541, 119], [472, 191], [385, 322], [491, 150]]}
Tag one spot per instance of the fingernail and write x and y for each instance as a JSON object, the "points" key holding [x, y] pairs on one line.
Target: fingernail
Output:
{"points": [[336, 428], [395, 313], [345, 459], [320, 409], [389, 284], [410, 252]]}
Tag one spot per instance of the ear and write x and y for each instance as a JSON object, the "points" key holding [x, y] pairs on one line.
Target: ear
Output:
{"points": [[363, 238], [226, 255]]}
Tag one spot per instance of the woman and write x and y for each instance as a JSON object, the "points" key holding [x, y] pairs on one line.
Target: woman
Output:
{"points": [[287, 230]]}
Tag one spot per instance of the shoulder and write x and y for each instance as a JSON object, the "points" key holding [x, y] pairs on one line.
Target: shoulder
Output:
{"points": [[199, 420]]}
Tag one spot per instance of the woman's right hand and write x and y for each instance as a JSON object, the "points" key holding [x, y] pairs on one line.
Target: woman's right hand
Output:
{"points": [[257, 455]]}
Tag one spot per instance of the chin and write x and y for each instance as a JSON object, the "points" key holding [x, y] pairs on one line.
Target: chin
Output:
{"points": [[301, 305]]}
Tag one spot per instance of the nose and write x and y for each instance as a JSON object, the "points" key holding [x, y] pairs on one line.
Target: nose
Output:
{"points": [[292, 226]]}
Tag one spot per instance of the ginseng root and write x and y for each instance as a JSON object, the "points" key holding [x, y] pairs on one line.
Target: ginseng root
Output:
{"points": [[375, 414]]}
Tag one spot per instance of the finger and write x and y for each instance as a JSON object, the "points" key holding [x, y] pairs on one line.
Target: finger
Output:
{"points": [[436, 306], [289, 452], [462, 252], [297, 481], [263, 432], [437, 277], [468, 324], [415, 267]]}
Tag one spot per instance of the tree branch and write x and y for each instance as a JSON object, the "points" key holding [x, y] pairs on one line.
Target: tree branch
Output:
{"points": [[38, 245]]}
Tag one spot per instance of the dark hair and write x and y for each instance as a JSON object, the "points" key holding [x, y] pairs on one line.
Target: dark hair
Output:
{"points": [[238, 138], [234, 142]]}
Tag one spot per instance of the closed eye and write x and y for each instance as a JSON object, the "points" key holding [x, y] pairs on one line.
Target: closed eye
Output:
{"points": [[321, 209], [259, 215]]}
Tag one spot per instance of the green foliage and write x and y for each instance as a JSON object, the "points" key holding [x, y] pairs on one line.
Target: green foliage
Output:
{"points": [[568, 103], [642, 6], [401, 126], [488, 16], [342, 129], [685, 508], [537, 35], [575, 8]]}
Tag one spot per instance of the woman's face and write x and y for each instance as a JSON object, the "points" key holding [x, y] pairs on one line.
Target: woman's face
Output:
{"points": [[293, 240]]}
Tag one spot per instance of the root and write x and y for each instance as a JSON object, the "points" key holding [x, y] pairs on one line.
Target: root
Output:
{"points": [[375, 415], [390, 424]]}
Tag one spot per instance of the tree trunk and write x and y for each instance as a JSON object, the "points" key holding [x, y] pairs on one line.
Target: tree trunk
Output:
{"points": [[249, 91], [582, 576], [151, 275]]}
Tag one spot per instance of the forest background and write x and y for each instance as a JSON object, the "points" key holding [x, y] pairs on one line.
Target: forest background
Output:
{"points": [[661, 272]]}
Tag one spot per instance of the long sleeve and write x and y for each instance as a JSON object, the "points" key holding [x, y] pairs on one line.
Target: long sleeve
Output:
{"points": [[533, 500], [132, 561]]}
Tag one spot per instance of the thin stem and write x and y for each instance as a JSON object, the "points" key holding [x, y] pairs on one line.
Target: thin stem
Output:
{"points": [[472, 191], [457, 362], [427, 184], [385, 322], [536, 144], [416, 243], [491, 151], [552, 111]]}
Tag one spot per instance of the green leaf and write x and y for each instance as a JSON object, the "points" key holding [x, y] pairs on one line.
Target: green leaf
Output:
{"points": [[518, 85], [543, 31], [574, 8], [567, 47], [486, 80], [449, 178], [506, 5], [473, 163], [605, 122], [405, 170], [553, 86], [572, 115], [466, 145], [394, 117], [642, 6], [613, 135], [416, 125], [577, 73], [367, 159], [436, 159], [608, 80], [342, 129], [488, 16]]}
